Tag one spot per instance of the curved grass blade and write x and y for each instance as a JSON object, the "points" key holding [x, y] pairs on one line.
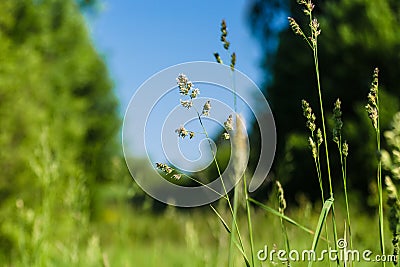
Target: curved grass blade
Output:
{"points": [[234, 240], [321, 221], [274, 212], [221, 219]]}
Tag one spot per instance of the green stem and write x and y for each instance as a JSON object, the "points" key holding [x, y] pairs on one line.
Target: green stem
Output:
{"points": [[285, 238], [379, 180], [318, 166], [249, 220], [344, 176], [316, 65], [234, 221], [323, 119]]}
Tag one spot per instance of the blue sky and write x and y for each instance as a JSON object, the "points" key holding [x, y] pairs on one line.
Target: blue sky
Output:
{"points": [[140, 38]]}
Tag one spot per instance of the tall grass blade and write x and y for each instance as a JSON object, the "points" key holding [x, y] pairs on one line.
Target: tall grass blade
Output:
{"points": [[221, 219], [321, 221], [276, 213], [249, 225]]}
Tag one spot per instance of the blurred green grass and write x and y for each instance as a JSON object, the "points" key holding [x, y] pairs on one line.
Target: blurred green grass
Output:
{"points": [[195, 237]]}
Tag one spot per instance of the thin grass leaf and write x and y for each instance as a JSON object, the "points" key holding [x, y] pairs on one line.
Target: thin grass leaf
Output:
{"points": [[246, 260], [221, 219], [249, 225], [234, 240], [321, 221], [276, 213]]}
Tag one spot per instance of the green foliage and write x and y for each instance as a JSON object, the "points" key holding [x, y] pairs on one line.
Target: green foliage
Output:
{"points": [[58, 125]]}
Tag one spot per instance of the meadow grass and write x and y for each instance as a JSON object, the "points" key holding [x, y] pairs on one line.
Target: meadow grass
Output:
{"points": [[177, 237], [230, 232], [327, 224]]}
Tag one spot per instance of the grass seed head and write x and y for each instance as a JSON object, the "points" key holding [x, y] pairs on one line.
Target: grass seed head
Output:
{"points": [[195, 93], [186, 103], [309, 6], [337, 119], [184, 84], [309, 115], [345, 149], [319, 137], [281, 197], [313, 147], [182, 132], [218, 58], [233, 61], [372, 106], [224, 34], [164, 167], [226, 136], [229, 123], [295, 26], [206, 108]]}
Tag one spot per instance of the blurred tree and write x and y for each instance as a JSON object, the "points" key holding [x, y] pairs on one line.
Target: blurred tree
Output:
{"points": [[54, 84], [357, 35]]}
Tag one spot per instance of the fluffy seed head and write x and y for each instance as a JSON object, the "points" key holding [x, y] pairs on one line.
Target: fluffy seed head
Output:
{"points": [[184, 84]]}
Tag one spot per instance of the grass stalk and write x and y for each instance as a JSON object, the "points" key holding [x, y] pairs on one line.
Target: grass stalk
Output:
{"points": [[249, 225], [318, 166], [321, 221], [312, 42], [316, 65], [233, 209], [234, 219], [373, 110], [343, 163], [315, 32], [379, 180]]}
